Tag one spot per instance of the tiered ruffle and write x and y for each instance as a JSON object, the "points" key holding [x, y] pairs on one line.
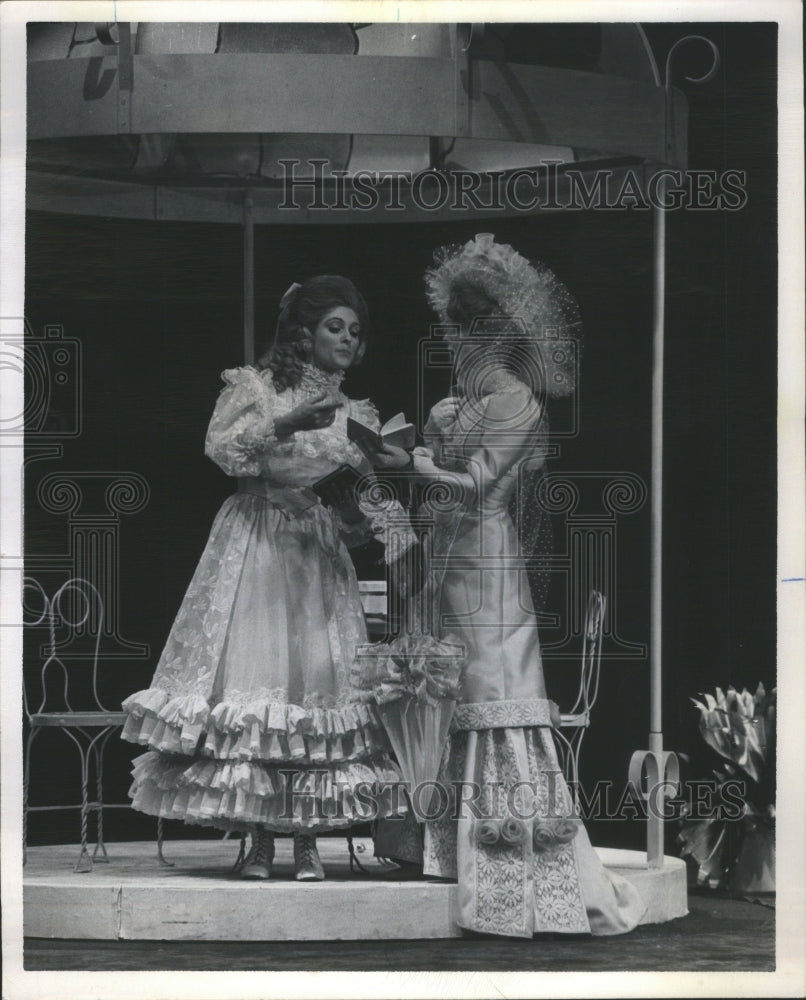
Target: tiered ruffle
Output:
{"points": [[239, 795], [262, 730]]}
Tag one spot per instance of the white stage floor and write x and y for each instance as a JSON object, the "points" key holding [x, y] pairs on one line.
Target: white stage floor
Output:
{"points": [[135, 897]]}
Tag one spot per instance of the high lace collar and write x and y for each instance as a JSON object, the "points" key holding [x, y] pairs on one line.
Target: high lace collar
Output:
{"points": [[317, 380]]}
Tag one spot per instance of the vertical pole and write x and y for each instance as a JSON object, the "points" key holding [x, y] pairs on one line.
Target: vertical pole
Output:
{"points": [[248, 279], [655, 838], [656, 589], [660, 766]]}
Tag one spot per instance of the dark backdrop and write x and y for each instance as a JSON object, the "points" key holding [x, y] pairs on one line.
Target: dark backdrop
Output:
{"points": [[157, 308]]}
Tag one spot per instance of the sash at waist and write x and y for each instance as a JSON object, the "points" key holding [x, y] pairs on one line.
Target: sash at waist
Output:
{"points": [[291, 500]]}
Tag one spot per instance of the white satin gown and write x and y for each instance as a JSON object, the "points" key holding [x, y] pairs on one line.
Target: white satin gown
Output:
{"points": [[539, 873]]}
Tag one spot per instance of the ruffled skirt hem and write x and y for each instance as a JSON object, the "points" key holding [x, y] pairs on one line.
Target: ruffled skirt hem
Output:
{"points": [[240, 796], [261, 730]]}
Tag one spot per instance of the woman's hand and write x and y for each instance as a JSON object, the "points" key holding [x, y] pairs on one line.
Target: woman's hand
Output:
{"points": [[389, 457], [426, 468], [443, 413], [312, 414], [424, 464]]}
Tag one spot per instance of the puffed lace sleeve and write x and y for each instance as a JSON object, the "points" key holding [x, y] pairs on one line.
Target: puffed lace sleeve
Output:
{"points": [[241, 431]]}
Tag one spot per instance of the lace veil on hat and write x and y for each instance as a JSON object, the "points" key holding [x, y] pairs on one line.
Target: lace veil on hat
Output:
{"points": [[544, 314]]}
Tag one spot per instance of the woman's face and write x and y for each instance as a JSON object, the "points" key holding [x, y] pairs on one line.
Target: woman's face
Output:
{"points": [[466, 307], [336, 340], [466, 352]]}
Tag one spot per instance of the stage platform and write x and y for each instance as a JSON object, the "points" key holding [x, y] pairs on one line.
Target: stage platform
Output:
{"points": [[134, 897]]}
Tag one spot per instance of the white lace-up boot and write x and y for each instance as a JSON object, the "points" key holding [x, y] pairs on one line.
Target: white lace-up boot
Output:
{"points": [[307, 866], [257, 863]]}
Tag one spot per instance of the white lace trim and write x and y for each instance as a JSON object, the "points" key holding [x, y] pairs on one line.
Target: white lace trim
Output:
{"points": [[241, 437], [263, 729], [509, 714], [237, 796], [241, 430], [316, 380], [383, 514]]}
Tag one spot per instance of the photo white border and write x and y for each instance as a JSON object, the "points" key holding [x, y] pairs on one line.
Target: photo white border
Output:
{"points": [[789, 979]]}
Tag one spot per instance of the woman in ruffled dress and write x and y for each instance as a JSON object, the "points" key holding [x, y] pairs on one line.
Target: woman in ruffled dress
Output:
{"points": [[523, 861], [250, 717]]}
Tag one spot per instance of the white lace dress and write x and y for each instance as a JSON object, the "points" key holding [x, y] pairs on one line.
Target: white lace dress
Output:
{"points": [[250, 717]]}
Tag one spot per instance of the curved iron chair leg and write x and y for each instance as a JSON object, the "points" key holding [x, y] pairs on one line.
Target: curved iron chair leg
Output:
{"points": [[99, 746], [26, 780], [160, 855], [84, 863], [354, 857], [567, 762], [239, 861]]}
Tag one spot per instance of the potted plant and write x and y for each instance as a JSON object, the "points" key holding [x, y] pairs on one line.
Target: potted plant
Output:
{"points": [[736, 851]]}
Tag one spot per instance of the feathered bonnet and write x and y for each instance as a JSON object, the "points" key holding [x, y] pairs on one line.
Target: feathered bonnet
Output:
{"points": [[545, 314]]}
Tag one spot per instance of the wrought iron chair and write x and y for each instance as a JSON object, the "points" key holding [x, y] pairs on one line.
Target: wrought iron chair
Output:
{"points": [[578, 719], [76, 605]]}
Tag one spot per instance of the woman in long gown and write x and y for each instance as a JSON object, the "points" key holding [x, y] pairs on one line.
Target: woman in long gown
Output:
{"points": [[250, 717], [523, 861]]}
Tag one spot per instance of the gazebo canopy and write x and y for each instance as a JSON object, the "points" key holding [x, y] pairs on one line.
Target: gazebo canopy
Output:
{"points": [[175, 121]]}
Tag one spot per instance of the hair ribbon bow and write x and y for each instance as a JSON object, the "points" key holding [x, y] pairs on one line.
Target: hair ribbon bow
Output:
{"points": [[289, 294]]}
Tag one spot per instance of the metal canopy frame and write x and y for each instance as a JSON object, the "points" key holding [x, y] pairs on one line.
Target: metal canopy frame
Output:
{"points": [[638, 126], [223, 202], [366, 95]]}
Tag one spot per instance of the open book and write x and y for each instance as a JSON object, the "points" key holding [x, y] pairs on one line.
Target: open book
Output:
{"points": [[397, 431]]}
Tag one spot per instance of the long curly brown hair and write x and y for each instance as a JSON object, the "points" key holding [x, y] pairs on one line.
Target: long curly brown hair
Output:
{"points": [[300, 315]]}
